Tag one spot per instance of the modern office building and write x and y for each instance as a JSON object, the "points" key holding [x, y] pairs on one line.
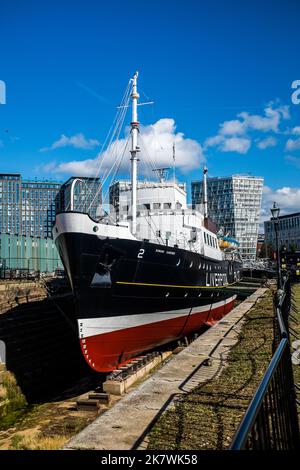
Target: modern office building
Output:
{"points": [[27, 213], [81, 194], [38, 207], [288, 232], [27, 207], [10, 203], [234, 204]]}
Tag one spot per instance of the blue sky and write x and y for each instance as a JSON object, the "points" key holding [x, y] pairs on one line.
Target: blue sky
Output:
{"points": [[66, 65]]}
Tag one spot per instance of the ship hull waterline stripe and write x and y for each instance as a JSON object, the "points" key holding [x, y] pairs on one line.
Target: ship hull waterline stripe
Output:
{"points": [[97, 326], [172, 285]]}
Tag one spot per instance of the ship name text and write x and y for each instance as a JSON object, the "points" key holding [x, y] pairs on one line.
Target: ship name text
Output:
{"points": [[216, 279]]}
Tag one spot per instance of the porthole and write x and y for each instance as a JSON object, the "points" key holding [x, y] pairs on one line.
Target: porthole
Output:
{"points": [[167, 294], [199, 267], [185, 295], [191, 264], [95, 228], [199, 295], [178, 262], [56, 229]]}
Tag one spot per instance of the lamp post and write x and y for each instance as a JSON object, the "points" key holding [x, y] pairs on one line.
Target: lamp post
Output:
{"points": [[275, 211]]}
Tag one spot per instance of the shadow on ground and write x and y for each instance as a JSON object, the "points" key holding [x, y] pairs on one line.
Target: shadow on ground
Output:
{"points": [[43, 352]]}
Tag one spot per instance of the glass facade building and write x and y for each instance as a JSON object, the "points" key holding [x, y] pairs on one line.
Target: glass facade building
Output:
{"points": [[234, 204], [27, 214], [27, 207], [288, 232], [38, 207], [10, 203]]}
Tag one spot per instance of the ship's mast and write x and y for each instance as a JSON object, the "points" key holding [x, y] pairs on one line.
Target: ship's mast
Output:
{"points": [[134, 150], [205, 170]]}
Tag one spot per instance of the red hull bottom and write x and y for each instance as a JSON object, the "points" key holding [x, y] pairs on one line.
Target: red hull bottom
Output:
{"points": [[105, 352]]}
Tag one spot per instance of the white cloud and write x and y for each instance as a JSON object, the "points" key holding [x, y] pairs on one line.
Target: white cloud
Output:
{"points": [[267, 142], [236, 144], [234, 127], [213, 141], [286, 198], [228, 144], [292, 144], [78, 167], [156, 150], [77, 141], [296, 130], [234, 135], [269, 122]]}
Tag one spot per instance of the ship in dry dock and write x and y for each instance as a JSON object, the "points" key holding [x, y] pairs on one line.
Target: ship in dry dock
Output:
{"points": [[146, 278]]}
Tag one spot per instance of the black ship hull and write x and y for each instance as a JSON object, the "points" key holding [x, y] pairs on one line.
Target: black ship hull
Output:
{"points": [[132, 296]]}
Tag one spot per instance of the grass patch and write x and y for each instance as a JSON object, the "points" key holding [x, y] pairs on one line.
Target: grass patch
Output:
{"points": [[32, 434], [208, 416], [296, 327], [16, 407], [36, 442]]}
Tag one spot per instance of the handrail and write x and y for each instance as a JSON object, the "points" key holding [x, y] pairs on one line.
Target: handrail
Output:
{"points": [[283, 331], [243, 431], [271, 420]]}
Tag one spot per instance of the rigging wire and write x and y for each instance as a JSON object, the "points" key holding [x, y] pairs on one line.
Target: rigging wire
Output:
{"points": [[112, 145], [116, 165], [110, 150]]}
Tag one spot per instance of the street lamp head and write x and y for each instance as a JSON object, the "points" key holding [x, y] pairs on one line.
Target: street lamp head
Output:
{"points": [[275, 211]]}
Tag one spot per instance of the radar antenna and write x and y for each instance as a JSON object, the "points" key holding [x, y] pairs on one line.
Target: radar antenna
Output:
{"points": [[162, 173]]}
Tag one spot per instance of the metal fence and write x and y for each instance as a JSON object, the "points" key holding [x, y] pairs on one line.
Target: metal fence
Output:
{"points": [[29, 268], [271, 421]]}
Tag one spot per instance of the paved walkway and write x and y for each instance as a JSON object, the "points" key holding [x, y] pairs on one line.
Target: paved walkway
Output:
{"points": [[126, 424]]}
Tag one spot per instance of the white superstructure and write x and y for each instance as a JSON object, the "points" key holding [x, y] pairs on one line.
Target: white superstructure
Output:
{"points": [[163, 217]]}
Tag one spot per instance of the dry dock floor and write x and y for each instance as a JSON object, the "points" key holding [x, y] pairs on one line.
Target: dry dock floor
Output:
{"points": [[126, 425]]}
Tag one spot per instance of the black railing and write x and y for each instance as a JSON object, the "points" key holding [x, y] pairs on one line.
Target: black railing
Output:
{"points": [[282, 307], [29, 268], [271, 421]]}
